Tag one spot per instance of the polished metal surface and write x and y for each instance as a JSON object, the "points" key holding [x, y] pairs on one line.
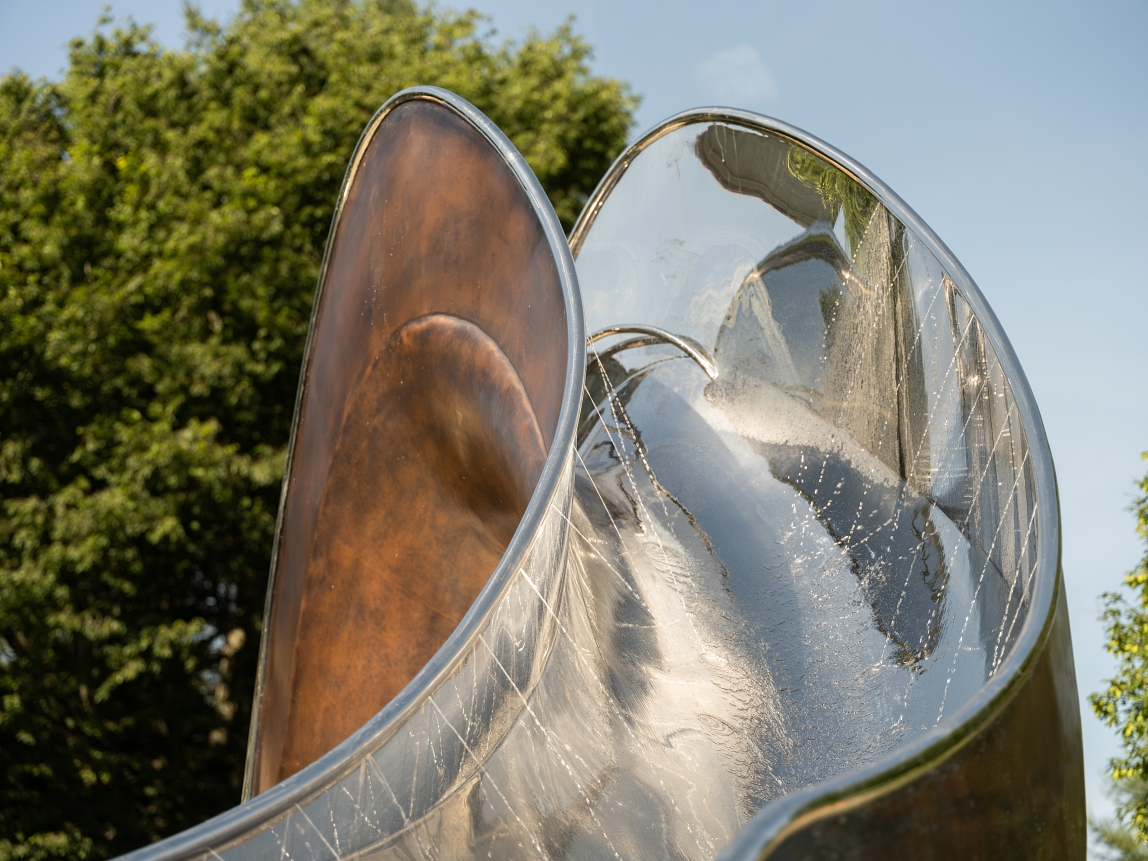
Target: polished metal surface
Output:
{"points": [[428, 403], [1009, 788], [340, 805], [862, 422], [651, 335], [781, 572], [865, 485]]}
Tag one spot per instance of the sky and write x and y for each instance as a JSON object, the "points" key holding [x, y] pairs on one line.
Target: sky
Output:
{"points": [[1016, 130]]}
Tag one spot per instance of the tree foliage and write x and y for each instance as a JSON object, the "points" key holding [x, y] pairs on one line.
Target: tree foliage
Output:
{"points": [[1115, 841], [1124, 704], [162, 218]]}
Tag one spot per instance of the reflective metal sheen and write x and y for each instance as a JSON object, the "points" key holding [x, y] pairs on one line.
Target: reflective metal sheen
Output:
{"points": [[858, 514], [777, 569]]}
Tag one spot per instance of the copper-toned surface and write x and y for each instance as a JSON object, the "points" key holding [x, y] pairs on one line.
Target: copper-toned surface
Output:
{"points": [[1014, 791], [430, 398]]}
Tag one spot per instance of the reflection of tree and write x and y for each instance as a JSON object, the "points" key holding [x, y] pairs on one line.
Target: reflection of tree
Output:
{"points": [[836, 190]]}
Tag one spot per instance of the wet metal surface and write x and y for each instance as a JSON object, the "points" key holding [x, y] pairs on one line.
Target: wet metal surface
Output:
{"points": [[780, 551]]}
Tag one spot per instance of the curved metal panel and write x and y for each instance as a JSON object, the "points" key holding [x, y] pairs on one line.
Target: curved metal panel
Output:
{"points": [[862, 377], [781, 559], [445, 260], [1012, 790], [428, 404]]}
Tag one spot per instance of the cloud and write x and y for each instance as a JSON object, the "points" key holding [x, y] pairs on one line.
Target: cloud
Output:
{"points": [[737, 77]]}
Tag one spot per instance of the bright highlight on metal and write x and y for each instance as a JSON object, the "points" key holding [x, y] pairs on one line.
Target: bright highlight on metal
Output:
{"points": [[654, 335]]}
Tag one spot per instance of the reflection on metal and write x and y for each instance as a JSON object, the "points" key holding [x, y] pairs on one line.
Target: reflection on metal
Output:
{"points": [[653, 335], [429, 399], [779, 577]]}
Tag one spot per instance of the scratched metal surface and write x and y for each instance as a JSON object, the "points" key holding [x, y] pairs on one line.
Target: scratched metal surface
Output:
{"points": [[745, 584]]}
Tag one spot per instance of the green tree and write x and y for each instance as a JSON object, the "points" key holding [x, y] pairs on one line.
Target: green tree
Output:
{"points": [[162, 218], [1124, 704], [1115, 840]]}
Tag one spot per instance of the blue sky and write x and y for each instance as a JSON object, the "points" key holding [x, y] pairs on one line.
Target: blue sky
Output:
{"points": [[1016, 130]]}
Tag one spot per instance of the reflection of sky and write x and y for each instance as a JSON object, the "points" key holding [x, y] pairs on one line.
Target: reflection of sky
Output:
{"points": [[712, 240], [1045, 218]]}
